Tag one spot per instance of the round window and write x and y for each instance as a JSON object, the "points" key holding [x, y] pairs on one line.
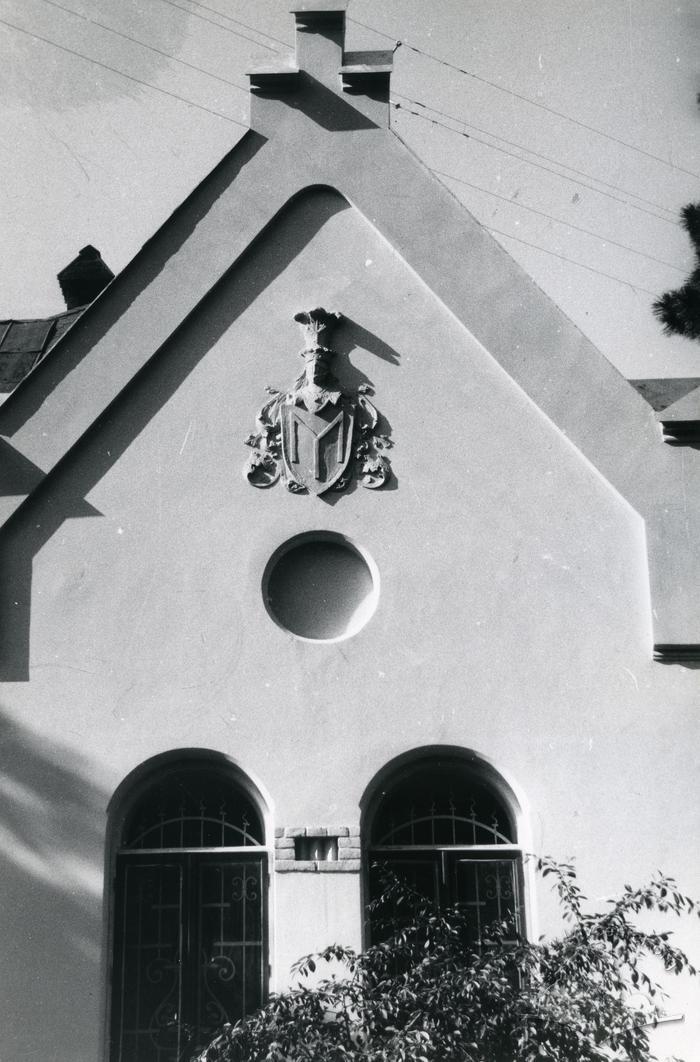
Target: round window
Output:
{"points": [[320, 587]]}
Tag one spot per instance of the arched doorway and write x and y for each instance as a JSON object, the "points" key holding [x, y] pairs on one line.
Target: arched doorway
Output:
{"points": [[442, 824], [190, 919]]}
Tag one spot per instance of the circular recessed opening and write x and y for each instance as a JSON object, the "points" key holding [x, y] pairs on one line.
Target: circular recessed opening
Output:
{"points": [[320, 587]]}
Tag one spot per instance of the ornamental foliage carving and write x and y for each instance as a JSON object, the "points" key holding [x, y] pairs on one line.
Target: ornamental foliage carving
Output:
{"points": [[316, 436]]}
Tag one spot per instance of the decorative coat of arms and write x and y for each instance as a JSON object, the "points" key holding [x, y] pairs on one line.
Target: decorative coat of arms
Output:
{"points": [[314, 435]]}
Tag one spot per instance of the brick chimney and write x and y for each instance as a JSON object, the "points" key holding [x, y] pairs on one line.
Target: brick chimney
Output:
{"points": [[84, 278]]}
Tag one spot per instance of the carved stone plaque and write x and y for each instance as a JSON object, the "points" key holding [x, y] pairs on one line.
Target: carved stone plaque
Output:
{"points": [[312, 435]]}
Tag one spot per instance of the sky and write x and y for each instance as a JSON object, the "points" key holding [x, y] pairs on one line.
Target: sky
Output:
{"points": [[569, 128]]}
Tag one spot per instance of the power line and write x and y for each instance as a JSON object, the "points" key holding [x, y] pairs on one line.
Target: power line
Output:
{"points": [[142, 44], [219, 114], [417, 103], [374, 30], [537, 154], [218, 25], [533, 103], [572, 261], [559, 221], [519, 158], [238, 22], [129, 77]]}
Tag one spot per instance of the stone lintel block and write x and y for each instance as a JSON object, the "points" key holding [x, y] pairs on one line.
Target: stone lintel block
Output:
{"points": [[345, 834], [305, 866], [348, 866]]}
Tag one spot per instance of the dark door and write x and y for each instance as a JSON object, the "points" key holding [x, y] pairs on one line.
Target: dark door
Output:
{"points": [[190, 950]]}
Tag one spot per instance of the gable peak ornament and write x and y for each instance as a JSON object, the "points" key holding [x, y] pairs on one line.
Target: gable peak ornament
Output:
{"points": [[315, 435]]}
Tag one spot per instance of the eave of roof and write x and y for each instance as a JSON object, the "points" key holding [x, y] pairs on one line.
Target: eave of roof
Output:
{"points": [[25, 341]]}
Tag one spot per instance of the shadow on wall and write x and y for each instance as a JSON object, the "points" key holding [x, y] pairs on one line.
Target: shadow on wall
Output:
{"points": [[52, 821], [326, 107], [353, 336], [39, 518], [62, 495]]}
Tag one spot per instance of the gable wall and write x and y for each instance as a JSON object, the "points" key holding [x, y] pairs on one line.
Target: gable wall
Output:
{"points": [[513, 615]]}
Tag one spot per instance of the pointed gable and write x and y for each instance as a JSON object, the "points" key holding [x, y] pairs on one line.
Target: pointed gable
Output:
{"points": [[320, 119]]}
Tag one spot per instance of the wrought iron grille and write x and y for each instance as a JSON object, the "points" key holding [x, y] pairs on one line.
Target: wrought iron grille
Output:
{"points": [[441, 808], [443, 827], [452, 839], [190, 937], [486, 889], [193, 809]]}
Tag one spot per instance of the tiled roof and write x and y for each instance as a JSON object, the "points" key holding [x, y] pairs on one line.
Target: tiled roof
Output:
{"points": [[24, 343]]}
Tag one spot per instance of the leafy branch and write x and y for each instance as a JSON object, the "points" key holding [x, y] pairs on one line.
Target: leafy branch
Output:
{"points": [[428, 991]]}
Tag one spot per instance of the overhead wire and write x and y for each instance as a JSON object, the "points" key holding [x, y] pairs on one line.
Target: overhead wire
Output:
{"points": [[142, 44], [227, 29], [121, 73], [433, 121], [539, 165], [573, 261], [537, 154], [237, 21], [530, 151], [559, 221], [417, 103], [533, 103]]}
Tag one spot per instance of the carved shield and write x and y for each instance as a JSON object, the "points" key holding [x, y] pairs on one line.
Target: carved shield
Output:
{"points": [[316, 444]]}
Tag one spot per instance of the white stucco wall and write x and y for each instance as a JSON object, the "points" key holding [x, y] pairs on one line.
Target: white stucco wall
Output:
{"points": [[513, 619]]}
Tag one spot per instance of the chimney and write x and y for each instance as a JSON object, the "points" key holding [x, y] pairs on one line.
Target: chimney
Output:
{"points": [[84, 278]]}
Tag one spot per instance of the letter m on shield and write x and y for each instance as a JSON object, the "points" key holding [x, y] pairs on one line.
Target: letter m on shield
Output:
{"points": [[316, 444]]}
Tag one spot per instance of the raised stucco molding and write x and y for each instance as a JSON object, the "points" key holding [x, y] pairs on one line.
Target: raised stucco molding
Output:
{"points": [[316, 140]]}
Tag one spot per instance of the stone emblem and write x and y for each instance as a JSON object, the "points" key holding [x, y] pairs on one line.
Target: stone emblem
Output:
{"points": [[315, 435]]}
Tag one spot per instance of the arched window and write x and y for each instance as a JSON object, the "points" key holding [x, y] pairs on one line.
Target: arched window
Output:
{"points": [[441, 825], [189, 926]]}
